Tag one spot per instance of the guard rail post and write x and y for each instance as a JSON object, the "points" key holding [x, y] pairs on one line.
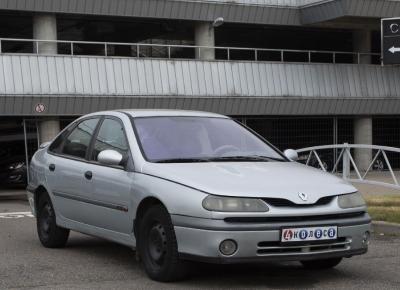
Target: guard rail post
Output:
{"points": [[346, 162]]}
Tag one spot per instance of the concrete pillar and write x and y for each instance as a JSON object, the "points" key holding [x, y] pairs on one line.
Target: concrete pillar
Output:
{"points": [[45, 28], [204, 36], [48, 129], [362, 41], [363, 135]]}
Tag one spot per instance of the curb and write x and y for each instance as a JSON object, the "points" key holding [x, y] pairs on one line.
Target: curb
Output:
{"points": [[386, 228], [12, 194]]}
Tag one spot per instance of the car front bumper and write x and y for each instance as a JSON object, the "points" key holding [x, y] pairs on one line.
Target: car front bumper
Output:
{"points": [[261, 242]]}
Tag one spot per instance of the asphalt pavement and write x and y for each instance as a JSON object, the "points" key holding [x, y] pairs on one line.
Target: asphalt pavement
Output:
{"points": [[92, 263]]}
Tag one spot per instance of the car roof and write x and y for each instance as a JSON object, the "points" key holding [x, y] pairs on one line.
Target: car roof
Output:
{"points": [[166, 113]]}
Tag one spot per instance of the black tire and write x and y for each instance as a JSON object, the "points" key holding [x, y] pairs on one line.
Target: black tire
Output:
{"points": [[50, 235], [158, 248], [321, 264]]}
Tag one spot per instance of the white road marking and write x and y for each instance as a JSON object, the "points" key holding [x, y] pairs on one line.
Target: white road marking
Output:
{"points": [[15, 215]]}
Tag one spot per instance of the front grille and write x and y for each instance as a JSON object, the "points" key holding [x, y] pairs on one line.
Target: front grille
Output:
{"points": [[283, 219], [281, 202], [278, 248]]}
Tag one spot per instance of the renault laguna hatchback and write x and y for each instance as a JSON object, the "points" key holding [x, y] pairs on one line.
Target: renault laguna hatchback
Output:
{"points": [[182, 186]]}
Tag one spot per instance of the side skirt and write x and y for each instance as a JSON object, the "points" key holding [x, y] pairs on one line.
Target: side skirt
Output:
{"points": [[124, 239]]}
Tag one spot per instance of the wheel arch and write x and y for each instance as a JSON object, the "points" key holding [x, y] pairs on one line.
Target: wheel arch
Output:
{"points": [[39, 191], [143, 206]]}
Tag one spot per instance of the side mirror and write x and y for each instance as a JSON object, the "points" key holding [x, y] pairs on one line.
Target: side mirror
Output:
{"points": [[291, 154], [110, 157]]}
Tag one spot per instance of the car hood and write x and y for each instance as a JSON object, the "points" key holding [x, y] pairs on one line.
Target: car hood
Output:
{"points": [[253, 179]]}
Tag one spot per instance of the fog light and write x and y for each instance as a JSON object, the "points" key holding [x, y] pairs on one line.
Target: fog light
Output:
{"points": [[366, 238], [228, 247]]}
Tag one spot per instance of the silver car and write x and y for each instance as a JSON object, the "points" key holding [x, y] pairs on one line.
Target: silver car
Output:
{"points": [[182, 186]]}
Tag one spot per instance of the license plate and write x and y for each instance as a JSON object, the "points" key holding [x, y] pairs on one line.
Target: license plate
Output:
{"points": [[308, 234]]}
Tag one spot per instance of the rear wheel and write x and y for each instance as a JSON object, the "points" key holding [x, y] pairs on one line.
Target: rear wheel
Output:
{"points": [[321, 264], [50, 235], [158, 247]]}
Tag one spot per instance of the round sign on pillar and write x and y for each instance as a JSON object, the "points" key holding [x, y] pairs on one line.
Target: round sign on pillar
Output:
{"points": [[40, 108]]}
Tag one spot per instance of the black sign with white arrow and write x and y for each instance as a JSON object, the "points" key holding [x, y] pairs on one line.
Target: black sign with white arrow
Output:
{"points": [[391, 41]]}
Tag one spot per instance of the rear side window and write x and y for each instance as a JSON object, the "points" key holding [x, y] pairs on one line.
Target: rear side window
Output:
{"points": [[77, 143], [55, 147], [111, 136]]}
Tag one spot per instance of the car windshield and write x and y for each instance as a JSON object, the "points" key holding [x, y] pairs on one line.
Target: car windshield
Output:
{"points": [[200, 139]]}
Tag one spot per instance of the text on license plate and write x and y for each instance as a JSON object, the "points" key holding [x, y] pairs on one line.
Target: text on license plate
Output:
{"points": [[309, 234]]}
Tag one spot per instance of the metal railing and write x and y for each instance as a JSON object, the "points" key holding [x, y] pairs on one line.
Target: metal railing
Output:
{"points": [[175, 51], [347, 161]]}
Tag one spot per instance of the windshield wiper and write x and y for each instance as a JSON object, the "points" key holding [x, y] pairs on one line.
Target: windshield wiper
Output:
{"points": [[182, 160], [271, 158], [245, 158]]}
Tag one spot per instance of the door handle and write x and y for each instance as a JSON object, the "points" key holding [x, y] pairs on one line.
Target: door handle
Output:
{"points": [[88, 175], [52, 167]]}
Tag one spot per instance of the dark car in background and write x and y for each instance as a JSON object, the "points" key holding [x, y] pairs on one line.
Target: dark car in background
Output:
{"points": [[13, 170]]}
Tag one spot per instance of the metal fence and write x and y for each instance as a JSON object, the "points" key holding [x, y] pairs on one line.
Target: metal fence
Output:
{"points": [[106, 49], [347, 165]]}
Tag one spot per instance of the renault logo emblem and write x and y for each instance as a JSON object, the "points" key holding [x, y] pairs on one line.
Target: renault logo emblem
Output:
{"points": [[303, 196]]}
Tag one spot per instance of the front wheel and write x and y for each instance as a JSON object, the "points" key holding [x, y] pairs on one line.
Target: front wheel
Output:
{"points": [[50, 235], [321, 264], [158, 247]]}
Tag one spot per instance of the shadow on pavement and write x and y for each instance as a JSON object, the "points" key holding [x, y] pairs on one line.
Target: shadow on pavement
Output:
{"points": [[276, 275]]}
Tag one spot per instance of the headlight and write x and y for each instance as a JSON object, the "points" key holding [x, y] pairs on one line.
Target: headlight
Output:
{"points": [[17, 165], [234, 204], [351, 200]]}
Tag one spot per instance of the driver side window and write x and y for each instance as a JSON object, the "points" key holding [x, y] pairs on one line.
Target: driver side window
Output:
{"points": [[111, 136]]}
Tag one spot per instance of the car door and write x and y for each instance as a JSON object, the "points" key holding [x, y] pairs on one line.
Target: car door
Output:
{"points": [[110, 186], [66, 168]]}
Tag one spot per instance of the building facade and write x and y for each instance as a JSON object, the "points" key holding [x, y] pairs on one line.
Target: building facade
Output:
{"points": [[299, 72]]}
